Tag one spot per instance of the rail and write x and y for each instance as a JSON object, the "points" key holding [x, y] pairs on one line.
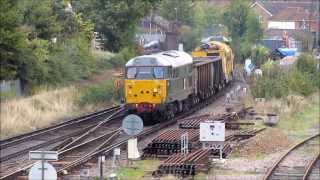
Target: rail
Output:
{"points": [[272, 169], [106, 147], [13, 140], [310, 166], [74, 144]]}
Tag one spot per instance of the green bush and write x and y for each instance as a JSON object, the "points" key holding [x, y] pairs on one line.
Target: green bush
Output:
{"points": [[100, 93], [259, 55], [268, 87], [300, 83], [122, 57], [302, 79], [53, 64], [307, 64]]}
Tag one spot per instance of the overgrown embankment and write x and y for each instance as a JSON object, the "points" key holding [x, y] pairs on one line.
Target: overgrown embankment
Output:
{"points": [[293, 94], [58, 103], [26, 114], [52, 106]]}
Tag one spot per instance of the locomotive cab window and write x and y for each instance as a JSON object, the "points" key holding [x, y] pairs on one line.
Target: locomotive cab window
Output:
{"points": [[131, 72], [147, 72], [158, 72]]}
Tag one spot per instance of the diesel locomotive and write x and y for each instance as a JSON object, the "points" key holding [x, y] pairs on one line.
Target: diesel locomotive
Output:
{"points": [[161, 85]]}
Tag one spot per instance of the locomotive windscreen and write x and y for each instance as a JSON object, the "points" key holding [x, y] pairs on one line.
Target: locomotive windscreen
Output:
{"points": [[147, 72]]}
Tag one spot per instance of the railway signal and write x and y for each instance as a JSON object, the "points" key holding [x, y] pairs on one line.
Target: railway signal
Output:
{"points": [[42, 170], [132, 125]]}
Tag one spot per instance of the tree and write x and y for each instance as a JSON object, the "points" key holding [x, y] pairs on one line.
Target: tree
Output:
{"points": [[243, 26], [39, 19], [180, 10], [204, 21], [27, 51], [115, 20], [206, 18], [11, 39]]}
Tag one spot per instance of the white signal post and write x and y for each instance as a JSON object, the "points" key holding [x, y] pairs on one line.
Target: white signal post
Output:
{"points": [[41, 169], [132, 125]]}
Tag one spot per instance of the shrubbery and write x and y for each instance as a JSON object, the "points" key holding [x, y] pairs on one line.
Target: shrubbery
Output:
{"points": [[307, 64], [259, 55], [53, 64], [302, 78], [101, 93], [123, 56], [97, 94]]}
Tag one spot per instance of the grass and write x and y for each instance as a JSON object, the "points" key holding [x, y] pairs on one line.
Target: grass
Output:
{"points": [[46, 107], [236, 154], [138, 170], [304, 120], [298, 116]]}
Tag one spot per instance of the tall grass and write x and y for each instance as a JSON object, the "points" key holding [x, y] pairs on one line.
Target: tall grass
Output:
{"points": [[303, 118], [47, 107], [299, 116]]}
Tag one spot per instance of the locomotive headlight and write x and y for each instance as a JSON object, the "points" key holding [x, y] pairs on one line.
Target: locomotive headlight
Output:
{"points": [[155, 90]]}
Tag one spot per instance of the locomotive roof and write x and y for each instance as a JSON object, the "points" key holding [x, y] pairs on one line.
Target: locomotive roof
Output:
{"points": [[167, 58]]}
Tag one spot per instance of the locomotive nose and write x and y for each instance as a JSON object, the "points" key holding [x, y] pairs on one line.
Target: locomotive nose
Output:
{"points": [[145, 91]]}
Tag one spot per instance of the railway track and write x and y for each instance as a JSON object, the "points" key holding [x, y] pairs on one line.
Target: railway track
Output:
{"points": [[60, 137], [313, 169], [99, 138], [300, 170], [77, 141], [83, 119]]}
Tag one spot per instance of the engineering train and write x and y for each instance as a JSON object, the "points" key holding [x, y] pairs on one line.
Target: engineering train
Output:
{"points": [[159, 86]]}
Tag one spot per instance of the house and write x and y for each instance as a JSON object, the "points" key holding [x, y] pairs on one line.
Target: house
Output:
{"points": [[288, 17], [301, 18], [283, 19], [286, 11]]}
